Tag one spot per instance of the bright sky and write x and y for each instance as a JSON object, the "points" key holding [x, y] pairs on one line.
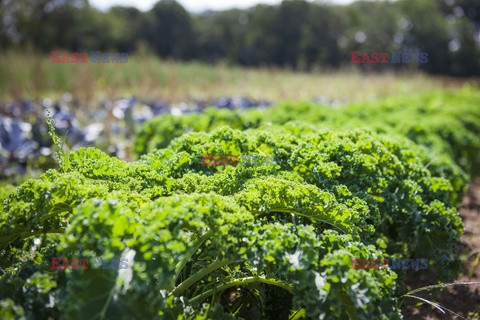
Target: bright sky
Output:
{"points": [[193, 5]]}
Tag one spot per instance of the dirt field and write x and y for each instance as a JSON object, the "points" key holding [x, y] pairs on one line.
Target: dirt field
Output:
{"points": [[462, 299]]}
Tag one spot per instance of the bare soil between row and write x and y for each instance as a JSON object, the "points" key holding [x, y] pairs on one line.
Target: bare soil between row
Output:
{"points": [[464, 300]]}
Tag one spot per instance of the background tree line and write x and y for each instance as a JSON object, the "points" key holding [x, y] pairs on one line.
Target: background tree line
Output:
{"points": [[296, 33]]}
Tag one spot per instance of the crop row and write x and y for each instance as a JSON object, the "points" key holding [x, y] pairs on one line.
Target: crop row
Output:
{"points": [[366, 181]]}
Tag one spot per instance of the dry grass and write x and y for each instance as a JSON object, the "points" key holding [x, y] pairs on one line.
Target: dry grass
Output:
{"points": [[29, 75]]}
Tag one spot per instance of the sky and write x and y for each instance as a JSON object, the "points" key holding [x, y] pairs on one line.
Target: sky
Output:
{"points": [[193, 5]]}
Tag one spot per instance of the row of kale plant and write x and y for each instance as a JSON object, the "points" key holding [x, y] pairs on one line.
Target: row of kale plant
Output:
{"points": [[253, 242]]}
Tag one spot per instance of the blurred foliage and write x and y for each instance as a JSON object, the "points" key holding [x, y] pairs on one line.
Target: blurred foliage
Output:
{"points": [[297, 34]]}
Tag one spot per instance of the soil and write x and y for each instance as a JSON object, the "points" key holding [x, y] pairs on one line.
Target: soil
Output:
{"points": [[464, 300]]}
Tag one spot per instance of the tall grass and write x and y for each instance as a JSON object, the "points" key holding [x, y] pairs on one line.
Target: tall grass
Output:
{"points": [[32, 75]]}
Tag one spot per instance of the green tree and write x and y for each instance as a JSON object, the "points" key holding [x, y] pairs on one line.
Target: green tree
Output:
{"points": [[168, 29]]}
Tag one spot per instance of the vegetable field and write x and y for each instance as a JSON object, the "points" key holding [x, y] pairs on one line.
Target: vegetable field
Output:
{"points": [[213, 240]]}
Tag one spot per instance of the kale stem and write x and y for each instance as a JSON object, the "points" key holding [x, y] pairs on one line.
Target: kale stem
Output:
{"points": [[240, 282], [199, 275], [191, 252]]}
